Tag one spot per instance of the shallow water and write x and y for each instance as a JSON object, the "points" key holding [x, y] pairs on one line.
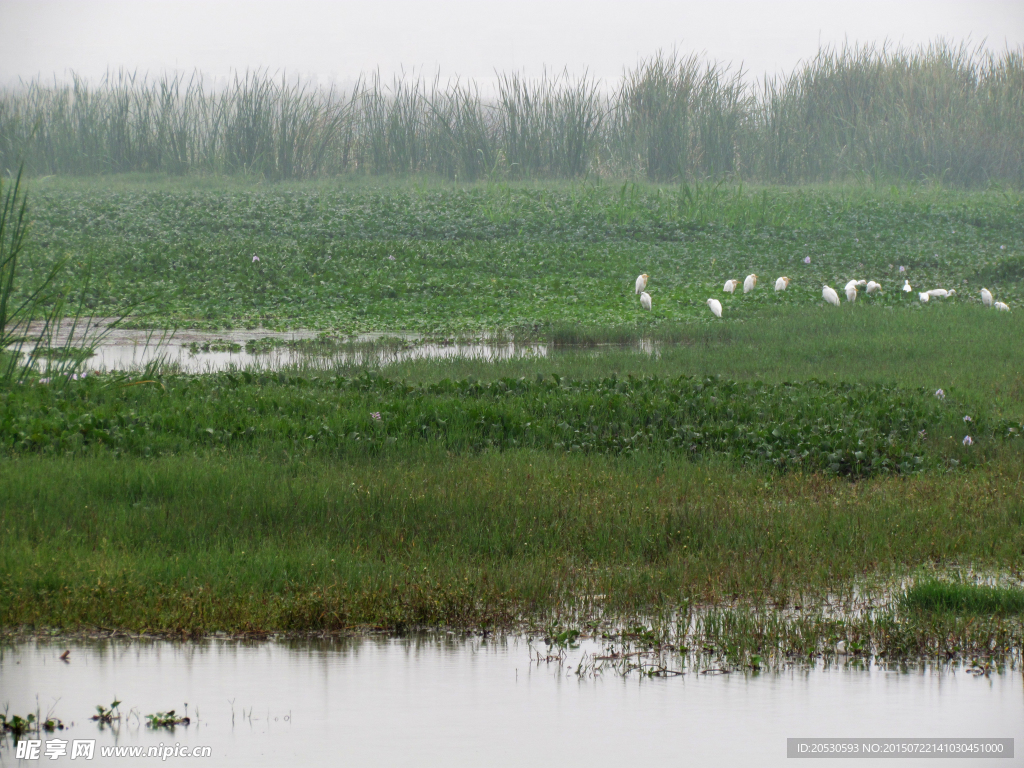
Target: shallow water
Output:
{"points": [[447, 701], [123, 349]]}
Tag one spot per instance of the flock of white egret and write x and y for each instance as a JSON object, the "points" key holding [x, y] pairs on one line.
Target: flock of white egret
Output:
{"points": [[828, 293]]}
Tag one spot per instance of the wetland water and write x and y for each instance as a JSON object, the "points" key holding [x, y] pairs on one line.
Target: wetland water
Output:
{"points": [[122, 349], [441, 700]]}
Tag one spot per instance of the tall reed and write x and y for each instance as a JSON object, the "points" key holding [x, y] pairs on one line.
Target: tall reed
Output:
{"points": [[944, 112]]}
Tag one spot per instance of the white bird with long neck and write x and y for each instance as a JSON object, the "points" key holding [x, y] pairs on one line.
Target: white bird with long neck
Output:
{"points": [[641, 283], [851, 290], [830, 295], [938, 293], [782, 284], [986, 297], [1001, 307], [872, 286], [906, 286], [716, 307], [750, 283], [730, 285], [645, 300]]}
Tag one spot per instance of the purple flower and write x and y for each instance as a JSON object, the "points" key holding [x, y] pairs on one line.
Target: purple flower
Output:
{"points": [[922, 434], [391, 258], [375, 415], [1002, 247], [807, 259], [45, 381], [967, 418], [940, 394], [968, 441], [903, 269], [255, 259]]}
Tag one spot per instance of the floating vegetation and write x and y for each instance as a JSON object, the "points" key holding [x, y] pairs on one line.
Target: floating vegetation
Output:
{"points": [[214, 345], [168, 719], [107, 715], [76, 354]]}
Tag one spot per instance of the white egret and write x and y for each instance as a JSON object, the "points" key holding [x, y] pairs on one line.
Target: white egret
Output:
{"points": [[645, 300], [641, 283], [730, 285], [782, 284], [952, 292], [749, 283], [906, 286], [873, 286], [861, 283], [986, 297], [851, 291], [716, 307], [830, 295], [1001, 307], [849, 285], [938, 293], [923, 297]]}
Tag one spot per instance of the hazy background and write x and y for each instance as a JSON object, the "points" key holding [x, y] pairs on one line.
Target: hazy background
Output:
{"points": [[336, 41]]}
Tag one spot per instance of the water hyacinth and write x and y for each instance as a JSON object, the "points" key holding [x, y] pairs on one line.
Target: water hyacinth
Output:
{"points": [[968, 440], [807, 259], [940, 394], [255, 259], [375, 415], [967, 418]]}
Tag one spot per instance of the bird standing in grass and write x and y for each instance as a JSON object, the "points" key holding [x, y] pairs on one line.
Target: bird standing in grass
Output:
{"points": [[782, 284], [938, 293], [1001, 307], [872, 286], [923, 297], [851, 290], [906, 286], [749, 283], [730, 285], [716, 307], [986, 297], [641, 283], [645, 300], [830, 295]]}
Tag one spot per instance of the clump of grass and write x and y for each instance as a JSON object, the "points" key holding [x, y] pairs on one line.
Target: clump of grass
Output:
{"points": [[76, 354], [214, 345], [978, 599]]}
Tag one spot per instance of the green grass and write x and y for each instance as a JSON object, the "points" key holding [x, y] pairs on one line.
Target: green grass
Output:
{"points": [[971, 599], [527, 260], [784, 455], [218, 541]]}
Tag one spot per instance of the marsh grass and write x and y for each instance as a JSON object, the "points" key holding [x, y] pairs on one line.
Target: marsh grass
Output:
{"points": [[944, 112], [963, 598], [231, 541]]}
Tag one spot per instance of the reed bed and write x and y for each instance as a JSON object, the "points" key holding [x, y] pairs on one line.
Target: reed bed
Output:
{"points": [[944, 112]]}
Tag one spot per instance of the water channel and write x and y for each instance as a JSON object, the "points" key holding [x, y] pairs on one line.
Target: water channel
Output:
{"points": [[451, 701]]}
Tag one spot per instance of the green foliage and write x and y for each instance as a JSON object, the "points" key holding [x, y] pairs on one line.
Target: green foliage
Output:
{"points": [[842, 428], [166, 720], [962, 598], [526, 261], [942, 112]]}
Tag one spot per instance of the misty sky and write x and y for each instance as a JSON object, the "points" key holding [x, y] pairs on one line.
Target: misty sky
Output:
{"points": [[336, 41]]}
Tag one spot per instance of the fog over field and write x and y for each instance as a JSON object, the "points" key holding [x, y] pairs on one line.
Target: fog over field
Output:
{"points": [[329, 42]]}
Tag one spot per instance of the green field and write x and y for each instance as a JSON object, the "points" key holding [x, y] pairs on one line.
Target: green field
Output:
{"points": [[791, 453]]}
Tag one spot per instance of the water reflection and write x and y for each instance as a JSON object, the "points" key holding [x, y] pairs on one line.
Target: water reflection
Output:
{"points": [[445, 700]]}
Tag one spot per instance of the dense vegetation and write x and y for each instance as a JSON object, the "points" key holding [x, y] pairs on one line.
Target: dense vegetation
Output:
{"points": [[943, 112], [790, 454], [446, 260]]}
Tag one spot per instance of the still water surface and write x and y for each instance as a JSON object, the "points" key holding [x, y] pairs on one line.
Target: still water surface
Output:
{"points": [[453, 702]]}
